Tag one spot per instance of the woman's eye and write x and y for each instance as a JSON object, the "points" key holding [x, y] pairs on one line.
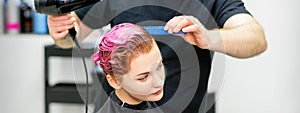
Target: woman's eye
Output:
{"points": [[143, 78]]}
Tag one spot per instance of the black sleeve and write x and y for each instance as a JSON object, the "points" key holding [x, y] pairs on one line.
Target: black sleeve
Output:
{"points": [[224, 9], [83, 11]]}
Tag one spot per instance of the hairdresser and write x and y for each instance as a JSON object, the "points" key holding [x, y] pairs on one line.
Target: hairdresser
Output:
{"points": [[239, 35]]}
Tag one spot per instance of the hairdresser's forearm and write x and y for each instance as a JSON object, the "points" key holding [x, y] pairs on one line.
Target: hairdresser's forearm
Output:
{"points": [[241, 37]]}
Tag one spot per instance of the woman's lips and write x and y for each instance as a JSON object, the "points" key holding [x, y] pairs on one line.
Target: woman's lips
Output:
{"points": [[158, 92]]}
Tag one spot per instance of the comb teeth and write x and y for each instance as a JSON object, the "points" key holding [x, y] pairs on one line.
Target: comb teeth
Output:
{"points": [[159, 30]]}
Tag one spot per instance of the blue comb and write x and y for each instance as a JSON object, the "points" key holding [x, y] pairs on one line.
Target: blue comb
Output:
{"points": [[159, 30]]}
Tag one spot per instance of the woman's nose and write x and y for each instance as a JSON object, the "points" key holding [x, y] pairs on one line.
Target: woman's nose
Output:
{"points": [[158, 81]]}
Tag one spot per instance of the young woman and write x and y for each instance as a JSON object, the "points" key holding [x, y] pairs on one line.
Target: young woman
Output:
{"points": [[132, 63]]}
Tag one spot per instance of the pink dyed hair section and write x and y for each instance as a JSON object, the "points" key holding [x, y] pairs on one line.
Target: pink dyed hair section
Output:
{"points": [[119, 37]]}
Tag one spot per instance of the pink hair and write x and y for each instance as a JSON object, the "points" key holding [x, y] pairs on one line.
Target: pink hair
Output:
{"points": [[120, 45]]}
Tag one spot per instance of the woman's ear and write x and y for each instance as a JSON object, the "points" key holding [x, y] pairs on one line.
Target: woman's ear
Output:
{"points": [[113, 81]]}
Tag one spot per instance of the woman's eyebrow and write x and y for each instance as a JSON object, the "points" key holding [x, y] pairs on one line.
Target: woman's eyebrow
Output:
{"points": [[160, 63]]}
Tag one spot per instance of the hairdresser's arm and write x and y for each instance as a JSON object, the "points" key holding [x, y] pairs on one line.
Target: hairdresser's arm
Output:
{"points": [[241, 36], [60, 24]]}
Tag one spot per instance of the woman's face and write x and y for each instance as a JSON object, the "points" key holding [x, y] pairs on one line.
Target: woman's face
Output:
{"points": [[145, 79]]}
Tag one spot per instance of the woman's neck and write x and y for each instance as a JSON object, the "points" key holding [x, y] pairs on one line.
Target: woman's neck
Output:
{"points": [[125, 97]]}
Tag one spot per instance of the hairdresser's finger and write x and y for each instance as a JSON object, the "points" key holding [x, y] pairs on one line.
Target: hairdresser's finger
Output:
{"points": [[60, 32], [192, 28], [61, 17], [167, 26], [58, 23], [196, 22], [172, 24], [65, 22], [63, 28], [182, 23], [59, 35]]}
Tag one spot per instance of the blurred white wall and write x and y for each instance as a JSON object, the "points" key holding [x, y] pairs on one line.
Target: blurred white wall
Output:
{"points": [[270, 82], [21, 73]]}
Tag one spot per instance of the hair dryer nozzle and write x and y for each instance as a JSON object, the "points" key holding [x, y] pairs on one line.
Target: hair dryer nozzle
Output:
{"points": [[46, 7], [56, 7]]}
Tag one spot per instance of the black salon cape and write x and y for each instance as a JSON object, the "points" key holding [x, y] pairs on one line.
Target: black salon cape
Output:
{"points": [[115, 105]]}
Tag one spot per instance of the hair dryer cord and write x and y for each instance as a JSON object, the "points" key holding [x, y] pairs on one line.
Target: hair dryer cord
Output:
{"points": [[72, 32]]}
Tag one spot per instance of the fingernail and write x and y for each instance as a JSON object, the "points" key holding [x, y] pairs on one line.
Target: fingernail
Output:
{"points": [[73, 18], [183, 30], [166, 28], [170, 31], [176, 30]]}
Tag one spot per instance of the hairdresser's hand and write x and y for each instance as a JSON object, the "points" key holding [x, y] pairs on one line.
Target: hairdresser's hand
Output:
{"points": [[59, 24], [197, 34]]}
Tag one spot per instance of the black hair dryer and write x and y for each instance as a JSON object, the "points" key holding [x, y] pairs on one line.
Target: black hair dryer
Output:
{"points": [[57, 7]]}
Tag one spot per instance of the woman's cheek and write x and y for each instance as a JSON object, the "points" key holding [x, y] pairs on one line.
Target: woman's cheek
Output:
{"points": [[138, 87]]}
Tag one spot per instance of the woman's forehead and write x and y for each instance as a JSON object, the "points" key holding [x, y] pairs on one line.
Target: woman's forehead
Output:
{"points": [[144, 62]]}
